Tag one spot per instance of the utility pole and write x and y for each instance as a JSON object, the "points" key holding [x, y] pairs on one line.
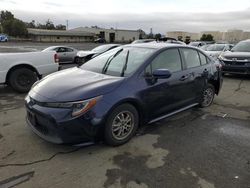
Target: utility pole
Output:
{"points": [[67, 24]]}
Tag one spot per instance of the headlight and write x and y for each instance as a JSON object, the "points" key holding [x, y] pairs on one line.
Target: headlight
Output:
{"points": [[78, 108]]}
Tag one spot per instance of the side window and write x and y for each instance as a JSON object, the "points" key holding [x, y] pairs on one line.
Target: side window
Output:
{"points": [[61, 50], [169, 59], [203, 59], [69, 50], [191, 57]]}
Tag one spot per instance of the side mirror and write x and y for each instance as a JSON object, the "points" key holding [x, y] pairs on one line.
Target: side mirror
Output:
{"points": [[161, 73]]}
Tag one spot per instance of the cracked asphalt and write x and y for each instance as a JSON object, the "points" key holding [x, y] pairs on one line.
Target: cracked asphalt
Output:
{"points": [[198, 148]]}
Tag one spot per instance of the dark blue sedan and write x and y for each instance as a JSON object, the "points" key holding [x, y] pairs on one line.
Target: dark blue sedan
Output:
{"points": [[111, 95]]}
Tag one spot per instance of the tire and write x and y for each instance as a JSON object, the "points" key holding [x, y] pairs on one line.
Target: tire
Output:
{"points": [[77, 60], [207, 96], [22, 79], [117, 131]]}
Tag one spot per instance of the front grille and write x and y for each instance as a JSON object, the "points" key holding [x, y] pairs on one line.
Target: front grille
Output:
{"points": [[235, 63]]}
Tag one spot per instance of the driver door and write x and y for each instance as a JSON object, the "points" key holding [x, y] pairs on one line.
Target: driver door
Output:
{"points": [[163, 96]]}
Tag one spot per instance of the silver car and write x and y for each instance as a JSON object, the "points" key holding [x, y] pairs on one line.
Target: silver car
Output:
{"points": [[65, 54]]}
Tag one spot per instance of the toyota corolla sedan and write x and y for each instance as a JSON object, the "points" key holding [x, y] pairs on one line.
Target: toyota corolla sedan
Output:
{"points": [[110, 96]]}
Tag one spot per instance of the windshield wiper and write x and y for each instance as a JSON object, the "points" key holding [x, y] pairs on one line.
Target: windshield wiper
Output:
{"points": [[105, 68], [125, 65]]}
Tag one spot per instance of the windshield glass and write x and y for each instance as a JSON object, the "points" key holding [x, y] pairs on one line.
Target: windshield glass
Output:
{"points": [[216, 47], [194, 43], [119, 61], [241, 47], [101, 49], [204, 47]]}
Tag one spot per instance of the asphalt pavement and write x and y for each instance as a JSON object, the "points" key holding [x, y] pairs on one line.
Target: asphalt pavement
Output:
{"points": [[198, 148]]}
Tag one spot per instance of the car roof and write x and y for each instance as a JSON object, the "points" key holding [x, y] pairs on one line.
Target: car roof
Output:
{"points": [[155, 45], [50, 47]]}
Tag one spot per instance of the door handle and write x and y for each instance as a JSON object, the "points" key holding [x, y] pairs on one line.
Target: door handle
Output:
{"points": [[184, 77]]}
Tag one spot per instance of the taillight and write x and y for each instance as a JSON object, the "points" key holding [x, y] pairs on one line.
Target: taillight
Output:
{"points": [[218, 65], [56, 58]]}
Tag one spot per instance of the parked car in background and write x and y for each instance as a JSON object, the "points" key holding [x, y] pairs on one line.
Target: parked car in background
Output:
{"points": [[197, 44], [204, 47], [4, 38], [21, 70], [237, 61], [100, 40], [142, 41], [65, 54], [111, 95], [170, 40], [214, 50], [84, 56]]}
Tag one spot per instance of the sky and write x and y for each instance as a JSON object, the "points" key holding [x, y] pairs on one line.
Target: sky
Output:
{"points": [[160, 15]]}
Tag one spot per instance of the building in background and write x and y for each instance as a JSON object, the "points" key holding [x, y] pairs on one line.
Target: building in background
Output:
{"points": [[43, 35], [111, 35], [183, 36], [231, 36], [218, 36]]}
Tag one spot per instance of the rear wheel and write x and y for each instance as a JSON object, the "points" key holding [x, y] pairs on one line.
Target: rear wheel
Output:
{"points": [[121, 125], [77, 60], [22, 79], [207, 96]]}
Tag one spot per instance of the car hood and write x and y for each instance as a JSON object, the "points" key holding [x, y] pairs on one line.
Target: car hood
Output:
{"points": [[85, 53], [73, 84], [213, 53], [238, 55]]}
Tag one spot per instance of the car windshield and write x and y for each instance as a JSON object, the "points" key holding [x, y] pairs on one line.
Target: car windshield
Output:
{"points": [[216, 47], [205, 47], [119, 61], [241, 47], [194, 43], [101, 49]]}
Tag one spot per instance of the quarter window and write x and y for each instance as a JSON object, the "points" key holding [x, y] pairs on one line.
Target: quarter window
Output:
{"points": [[169, 59], [192, 58]]}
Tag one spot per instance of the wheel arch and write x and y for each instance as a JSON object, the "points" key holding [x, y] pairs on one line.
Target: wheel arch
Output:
{"points": [[216, 85], [135, 103]]}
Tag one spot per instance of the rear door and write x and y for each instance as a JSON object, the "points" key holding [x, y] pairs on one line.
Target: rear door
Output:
{"points": [[197, 70]]}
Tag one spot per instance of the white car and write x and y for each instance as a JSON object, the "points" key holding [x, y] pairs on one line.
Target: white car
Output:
{"points": [[21, 70], [215, 50]]}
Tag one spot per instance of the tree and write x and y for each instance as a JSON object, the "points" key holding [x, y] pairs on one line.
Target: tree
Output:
{"points": [[11, 25], [49, 25], [157, 36], [61, 27], [31, 24], [6, 15], [18, 28], [207, 37]]}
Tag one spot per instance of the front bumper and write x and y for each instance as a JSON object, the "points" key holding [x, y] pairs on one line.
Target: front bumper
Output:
{"points": [[70, 131], [234, 67]]}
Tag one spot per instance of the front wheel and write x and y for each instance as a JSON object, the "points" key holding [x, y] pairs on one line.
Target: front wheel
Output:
{"points": [[121, 125], [207, 96]]}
